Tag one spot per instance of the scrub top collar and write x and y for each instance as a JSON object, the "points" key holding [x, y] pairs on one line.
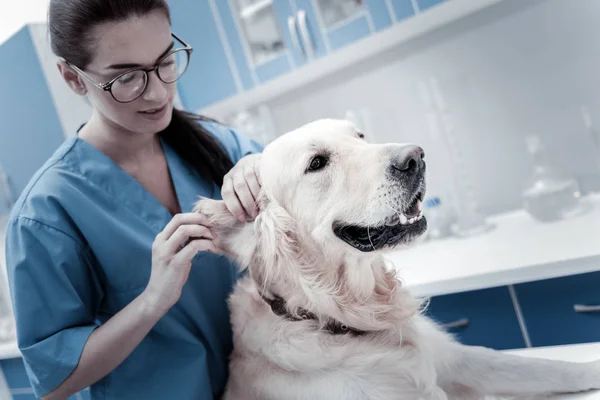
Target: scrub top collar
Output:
{"points": [[102, 171]]}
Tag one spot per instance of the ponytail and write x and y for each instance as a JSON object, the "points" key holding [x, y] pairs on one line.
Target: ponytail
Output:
{"points": [[192, 142]]}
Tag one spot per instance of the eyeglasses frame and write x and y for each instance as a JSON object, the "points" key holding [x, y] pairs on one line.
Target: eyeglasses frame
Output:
{"points": [[108, 85]]}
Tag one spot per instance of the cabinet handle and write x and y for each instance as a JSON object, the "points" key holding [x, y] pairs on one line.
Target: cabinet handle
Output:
{"points": [[303, 25], [581, 308], [456, 324], [294, 34]]}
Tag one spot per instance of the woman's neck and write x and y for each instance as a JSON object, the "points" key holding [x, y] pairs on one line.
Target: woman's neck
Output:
{"points": [[124, 147]]}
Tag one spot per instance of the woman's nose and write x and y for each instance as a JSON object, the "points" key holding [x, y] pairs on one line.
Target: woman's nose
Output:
{"points": [[156, 89]]}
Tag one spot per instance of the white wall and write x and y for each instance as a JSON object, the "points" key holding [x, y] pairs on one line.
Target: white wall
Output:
{"points": [[519, 68], [17, 13], [72, 109]]}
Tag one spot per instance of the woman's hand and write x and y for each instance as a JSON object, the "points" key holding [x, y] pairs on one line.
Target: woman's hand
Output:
{"points": [[241, 187], [172, 253]]}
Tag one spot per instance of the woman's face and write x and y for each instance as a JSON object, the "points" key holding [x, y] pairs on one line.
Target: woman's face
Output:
{"points": [[119, 47]]}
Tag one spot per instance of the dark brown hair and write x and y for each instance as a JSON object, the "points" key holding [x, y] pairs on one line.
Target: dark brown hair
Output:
{"points": [[70, 23]]}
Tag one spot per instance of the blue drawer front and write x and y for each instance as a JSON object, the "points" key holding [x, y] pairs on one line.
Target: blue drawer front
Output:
{"points": [[492, 318], [18, 382], [31, 396], [547, 308], [14, 372], [24, 397]]}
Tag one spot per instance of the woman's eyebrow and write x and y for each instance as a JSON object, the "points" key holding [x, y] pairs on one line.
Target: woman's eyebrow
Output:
{"points": [[127, 66]]}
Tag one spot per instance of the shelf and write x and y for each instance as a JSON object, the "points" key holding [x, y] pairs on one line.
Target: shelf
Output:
{"points": [[254, 8], [362, 50]]}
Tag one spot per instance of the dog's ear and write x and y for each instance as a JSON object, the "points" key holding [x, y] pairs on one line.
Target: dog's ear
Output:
{"points": [[236, 240], [277, 241]]}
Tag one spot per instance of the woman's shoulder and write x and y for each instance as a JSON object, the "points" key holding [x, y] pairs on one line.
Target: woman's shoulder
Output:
{"points": [[236, 143], [40, 198]]}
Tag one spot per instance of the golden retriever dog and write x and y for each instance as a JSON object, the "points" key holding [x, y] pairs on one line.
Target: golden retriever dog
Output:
{"points": [[319, 314]]}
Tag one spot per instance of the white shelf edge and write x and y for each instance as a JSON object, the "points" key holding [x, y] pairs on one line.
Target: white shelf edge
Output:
{"points": [[9, 350], [514, 276], [379, 42], [254, 8]]}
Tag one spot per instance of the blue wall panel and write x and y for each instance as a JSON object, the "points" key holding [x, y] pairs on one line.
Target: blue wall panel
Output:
{"points": [[30, 129]]}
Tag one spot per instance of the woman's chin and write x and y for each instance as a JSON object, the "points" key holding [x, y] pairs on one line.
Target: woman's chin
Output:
{"points": [[155, 122]]}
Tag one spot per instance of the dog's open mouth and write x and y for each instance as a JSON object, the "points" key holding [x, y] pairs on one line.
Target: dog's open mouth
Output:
{"points": [[399, 228]]}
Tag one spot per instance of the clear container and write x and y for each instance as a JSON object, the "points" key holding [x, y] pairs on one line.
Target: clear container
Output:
{"points": [[439, 219], [551, 196]]}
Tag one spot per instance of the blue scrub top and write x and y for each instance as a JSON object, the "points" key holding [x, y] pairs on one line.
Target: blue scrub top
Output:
{"points": [[78, 250]]}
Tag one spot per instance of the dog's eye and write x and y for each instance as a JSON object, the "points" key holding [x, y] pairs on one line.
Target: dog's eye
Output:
{"points": [[361, 135], [317, 163]]}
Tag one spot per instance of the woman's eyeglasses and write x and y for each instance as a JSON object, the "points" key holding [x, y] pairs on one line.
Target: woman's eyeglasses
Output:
{"points": [[130, 85]]}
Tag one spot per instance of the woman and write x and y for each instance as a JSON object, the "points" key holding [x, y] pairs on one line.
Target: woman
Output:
{"points": [[114, 280]]}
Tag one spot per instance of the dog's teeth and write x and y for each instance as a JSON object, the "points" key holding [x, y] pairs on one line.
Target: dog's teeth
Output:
{"points": [[394, 221], [403, 219], [420, 217], [419, 205], [412, 220]]}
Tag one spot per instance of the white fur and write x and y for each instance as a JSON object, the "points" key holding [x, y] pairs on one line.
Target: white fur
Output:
{"points": [[291, 250]]}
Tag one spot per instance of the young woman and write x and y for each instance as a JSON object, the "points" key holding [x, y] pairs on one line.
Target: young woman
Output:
{"points": [[114, 280]]}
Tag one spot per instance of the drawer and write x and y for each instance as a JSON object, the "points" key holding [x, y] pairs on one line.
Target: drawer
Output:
{"points": [[548, 308], [18, 382], [479, 318], [14, 372]]}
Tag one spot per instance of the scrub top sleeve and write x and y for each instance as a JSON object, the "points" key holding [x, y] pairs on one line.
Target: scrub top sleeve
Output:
{"points": [[55, 294], [237, 144]]}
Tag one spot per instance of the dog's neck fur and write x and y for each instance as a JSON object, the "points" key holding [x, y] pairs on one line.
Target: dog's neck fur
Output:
{"points": [[360, 292]]}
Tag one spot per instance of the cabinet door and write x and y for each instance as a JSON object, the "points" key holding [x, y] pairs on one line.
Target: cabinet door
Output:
{"points": [[212, 74], [402, 9], [310, 29], [30, 130], [479, 318], [270, 44], [342, 22], [562, 310]]}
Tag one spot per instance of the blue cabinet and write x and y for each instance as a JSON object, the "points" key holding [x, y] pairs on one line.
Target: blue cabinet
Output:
{"points": [[479, 318], [343, 22], [241, 44], [30, 130], [18, 382], [562, 310], [212, 75]]}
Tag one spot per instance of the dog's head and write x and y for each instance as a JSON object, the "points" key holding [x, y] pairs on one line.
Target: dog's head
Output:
{"points": [[342, 192]]}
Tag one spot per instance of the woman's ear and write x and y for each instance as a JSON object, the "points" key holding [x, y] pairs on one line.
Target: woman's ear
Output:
{"points": [[73, 79]]}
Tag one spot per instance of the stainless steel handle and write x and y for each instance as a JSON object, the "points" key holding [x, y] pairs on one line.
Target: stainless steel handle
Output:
{"points": [[294, 34], [303, 26], [456, 324], [581, 308]]}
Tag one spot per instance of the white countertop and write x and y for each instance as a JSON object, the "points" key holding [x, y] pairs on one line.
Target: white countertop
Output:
{"points": [[519, 249], [575, 353]]}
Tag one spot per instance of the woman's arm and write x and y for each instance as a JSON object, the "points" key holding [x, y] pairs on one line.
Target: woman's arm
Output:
{"points": [[111, 343]]}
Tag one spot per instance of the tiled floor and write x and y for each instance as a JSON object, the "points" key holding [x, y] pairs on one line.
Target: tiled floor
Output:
{"points": [[16, 377]]}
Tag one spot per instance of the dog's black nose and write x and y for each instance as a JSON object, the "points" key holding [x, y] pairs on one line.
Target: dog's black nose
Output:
{"points": [[409, 160]]}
